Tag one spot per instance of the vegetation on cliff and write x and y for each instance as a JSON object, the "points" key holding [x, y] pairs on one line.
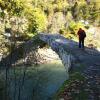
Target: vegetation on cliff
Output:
{"points": [[22, 19]]}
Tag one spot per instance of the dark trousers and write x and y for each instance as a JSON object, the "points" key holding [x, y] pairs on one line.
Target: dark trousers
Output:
{"points": [[81, 43]]}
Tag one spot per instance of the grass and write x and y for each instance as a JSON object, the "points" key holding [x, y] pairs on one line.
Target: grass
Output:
{"points": [[81, 96], [78, 67], [74, 87]]}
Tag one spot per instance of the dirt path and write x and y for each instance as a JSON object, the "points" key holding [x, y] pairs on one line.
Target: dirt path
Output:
{"points": [[90, 61], [92, 73]]}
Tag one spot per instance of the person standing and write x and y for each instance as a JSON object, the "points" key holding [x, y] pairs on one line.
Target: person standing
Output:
{"points": [[81, 34]]}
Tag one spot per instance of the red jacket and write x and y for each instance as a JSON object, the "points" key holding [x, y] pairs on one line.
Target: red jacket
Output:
{"points": [[81, 33]]}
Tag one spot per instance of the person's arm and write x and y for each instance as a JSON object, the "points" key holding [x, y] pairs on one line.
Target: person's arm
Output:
{"points": [[78, 33]]}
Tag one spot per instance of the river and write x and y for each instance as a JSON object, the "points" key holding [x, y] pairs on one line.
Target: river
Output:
{"points": [[40, 82]]}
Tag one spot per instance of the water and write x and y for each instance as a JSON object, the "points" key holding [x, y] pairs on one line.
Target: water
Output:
{"points": [[40, 82]]}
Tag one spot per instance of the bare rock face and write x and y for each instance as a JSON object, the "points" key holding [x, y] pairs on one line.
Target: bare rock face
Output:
{"points": [[40, 56], [47, 55]]}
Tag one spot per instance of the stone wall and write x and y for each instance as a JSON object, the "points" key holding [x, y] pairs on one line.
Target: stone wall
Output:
{"points": [[65, 57]]}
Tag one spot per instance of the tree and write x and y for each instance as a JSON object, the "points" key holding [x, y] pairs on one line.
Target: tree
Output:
{"points": [[36, 20], [75, 11]]}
